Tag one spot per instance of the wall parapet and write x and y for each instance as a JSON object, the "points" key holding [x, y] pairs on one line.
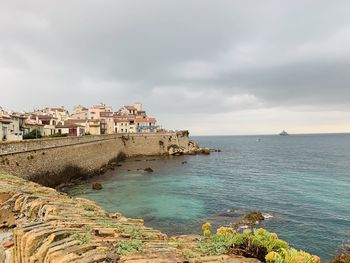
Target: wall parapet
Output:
{"points": [[14, 147]]}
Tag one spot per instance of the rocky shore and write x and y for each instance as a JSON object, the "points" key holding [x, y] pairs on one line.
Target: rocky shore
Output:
{"points": [[39, 224]]}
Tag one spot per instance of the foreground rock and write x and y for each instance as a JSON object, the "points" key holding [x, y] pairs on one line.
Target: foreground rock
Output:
{"points": [[96, 186], [49, 226]]}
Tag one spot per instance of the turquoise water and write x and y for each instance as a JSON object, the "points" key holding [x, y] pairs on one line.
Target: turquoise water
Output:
{"points": [[302, 180]]}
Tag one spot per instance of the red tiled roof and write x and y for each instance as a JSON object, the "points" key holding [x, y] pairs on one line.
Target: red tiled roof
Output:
{"points": [[32, 123], [152, 120], [6, 120], [43, 117], [69, 126], [130, 107]]}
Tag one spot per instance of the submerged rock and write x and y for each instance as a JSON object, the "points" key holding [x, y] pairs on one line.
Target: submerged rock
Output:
{"points": [[254, 216], [149, 170], [96, 186]]}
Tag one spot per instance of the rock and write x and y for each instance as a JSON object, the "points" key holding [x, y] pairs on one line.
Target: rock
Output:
{"points": [[7, 218], [104, 232], [2, 255], [341, 258], [205, 151], [96, 186], [8, 243], [5, 196], [254, 217], [149, 170], [115, 215]]}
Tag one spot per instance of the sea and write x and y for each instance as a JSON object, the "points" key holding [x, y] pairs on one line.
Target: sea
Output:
{"points": [[301, 183]]}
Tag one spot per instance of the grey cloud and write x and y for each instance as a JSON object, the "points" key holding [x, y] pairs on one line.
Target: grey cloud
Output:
{"points": [[200, 56]]}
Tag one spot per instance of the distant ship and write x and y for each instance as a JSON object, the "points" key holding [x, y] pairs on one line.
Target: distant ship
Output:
{"points": [[284, 133]]}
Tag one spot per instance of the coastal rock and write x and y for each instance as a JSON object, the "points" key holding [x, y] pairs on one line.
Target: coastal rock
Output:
{"points": [[2, 255], [341, 258], [8, 244], [96, 186], [250, 219], [254, 216], [205, 151], [5, 196], [104, 232], [115, 215], [149, 170], [7, 218]]}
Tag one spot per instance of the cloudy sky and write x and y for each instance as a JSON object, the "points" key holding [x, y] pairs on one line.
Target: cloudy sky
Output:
{"points": [[211, 66]]}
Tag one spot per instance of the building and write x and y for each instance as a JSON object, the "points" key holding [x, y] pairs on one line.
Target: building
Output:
{"points": [[107, 122], [10, 126], [49, 123], [60, 113], [146, 125], [31, 125], [98, 118], [133, 119], [70, 129]]}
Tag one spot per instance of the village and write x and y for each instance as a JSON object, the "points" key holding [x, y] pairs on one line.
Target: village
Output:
{"points": [[59, 122]]}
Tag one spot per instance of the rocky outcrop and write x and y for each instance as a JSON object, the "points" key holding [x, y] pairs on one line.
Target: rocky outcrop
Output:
{"points": [[191, 149], [41, 225]]}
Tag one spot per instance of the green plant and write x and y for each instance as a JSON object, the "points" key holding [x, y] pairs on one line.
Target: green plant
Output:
{"points": [[125, 248], [34, 134], [106, 223], [206, 229], [83, 238], [134, 232], [87, 213], [88, 207], [259, 243], [215, 245], [188, 254], [291, 255]]}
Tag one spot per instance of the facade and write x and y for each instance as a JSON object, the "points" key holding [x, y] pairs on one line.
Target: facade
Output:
{"points": [[107, 122], [71, 130], [31, 125], [146, 125], [10, 126], [60, 113], [133, 119], [49, 122]]}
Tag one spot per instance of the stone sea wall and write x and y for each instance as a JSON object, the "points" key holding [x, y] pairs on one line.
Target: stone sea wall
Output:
{"points": [[51, 162]]}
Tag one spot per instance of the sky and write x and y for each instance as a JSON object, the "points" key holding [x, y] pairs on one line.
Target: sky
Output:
{"points": [[215, 67]]}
